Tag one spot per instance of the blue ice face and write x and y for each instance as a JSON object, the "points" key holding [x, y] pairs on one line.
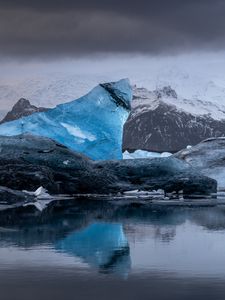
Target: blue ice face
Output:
{"points": [[92, 125]]}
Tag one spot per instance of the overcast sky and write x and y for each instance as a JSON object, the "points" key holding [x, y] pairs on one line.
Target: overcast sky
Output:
{"points": [[52, 51], [73, 28]]}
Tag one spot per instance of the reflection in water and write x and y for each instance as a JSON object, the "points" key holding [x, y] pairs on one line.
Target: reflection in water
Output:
{"points": [[84, 251], [101, 245], [139, 232], [164, 239]]}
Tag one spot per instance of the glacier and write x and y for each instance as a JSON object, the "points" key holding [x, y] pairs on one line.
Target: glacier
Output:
{"points": [[91, 125]]}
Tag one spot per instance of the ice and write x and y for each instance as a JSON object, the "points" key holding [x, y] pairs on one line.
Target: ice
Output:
{"points": [[144, 154], [41, 192], [78, 133], [92, 124], [38, 193], [165, 154], [42, 198]]}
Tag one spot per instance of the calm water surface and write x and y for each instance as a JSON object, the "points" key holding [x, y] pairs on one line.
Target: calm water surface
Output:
{"points": [[129, 253]]}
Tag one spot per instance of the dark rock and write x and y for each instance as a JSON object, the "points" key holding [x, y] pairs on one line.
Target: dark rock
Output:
{"points": [[9, 196], [208, 157], [153, 174], [28, 162], [22, 108], [168, 91]]}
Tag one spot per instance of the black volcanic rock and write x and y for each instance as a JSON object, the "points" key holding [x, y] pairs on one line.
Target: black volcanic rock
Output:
{"points": [[22, 108], [209, 157], [153, 174], [28, 162], [9, 196], [157, 124]]}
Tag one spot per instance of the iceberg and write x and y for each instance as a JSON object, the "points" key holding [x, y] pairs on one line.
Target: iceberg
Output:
{"points": [[92, 124]]}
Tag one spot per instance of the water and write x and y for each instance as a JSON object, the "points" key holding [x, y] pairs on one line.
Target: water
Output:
{"points": [[115, 252]]}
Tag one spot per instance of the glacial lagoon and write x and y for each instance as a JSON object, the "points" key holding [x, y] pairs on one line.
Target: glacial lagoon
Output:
{"points": [[123, 251]]}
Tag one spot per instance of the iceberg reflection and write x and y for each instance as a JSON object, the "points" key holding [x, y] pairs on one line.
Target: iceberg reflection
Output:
{"points": [[101, 245]]}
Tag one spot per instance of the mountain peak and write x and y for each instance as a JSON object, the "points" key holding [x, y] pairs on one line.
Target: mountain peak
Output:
{"points": [[22, 102], [21, 108], [166, 91]]}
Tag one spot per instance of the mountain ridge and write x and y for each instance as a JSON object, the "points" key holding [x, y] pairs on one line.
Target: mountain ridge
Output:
{"points": [[163, 121]]}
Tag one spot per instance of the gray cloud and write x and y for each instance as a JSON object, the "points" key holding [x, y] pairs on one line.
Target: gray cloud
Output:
{"points": [[56, 28]]}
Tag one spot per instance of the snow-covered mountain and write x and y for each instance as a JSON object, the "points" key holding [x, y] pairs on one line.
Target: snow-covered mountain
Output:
{"points": [[193, 76], [161, 120], [22, 108], [46, 90]]}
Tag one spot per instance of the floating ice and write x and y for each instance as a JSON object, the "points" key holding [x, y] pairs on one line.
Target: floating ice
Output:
{"points": [[38, 193], [144, 154], [92, 125]]}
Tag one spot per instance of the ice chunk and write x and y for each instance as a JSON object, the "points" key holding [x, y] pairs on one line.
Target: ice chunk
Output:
{"points": [[140, 154], [144, 154], [38, 193], [92, 125], [166, 154], [42, 198]]}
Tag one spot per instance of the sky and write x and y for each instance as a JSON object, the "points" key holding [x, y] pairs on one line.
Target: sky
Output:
{"points": [[99, 40], [31, 29]]}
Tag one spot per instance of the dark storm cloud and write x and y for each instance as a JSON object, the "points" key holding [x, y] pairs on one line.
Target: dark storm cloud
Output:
{"points": [[54, 28]]}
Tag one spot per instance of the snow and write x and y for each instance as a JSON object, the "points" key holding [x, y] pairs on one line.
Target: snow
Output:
{"points": [[194, 76], [145, 100], [198, 79], [92, 124]]}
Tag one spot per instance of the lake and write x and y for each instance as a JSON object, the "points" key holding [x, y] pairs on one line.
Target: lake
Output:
{"points": [[127, 252]]}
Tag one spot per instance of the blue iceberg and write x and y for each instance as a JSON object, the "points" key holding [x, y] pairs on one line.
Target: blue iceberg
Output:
{"points": [[92, 124]]}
